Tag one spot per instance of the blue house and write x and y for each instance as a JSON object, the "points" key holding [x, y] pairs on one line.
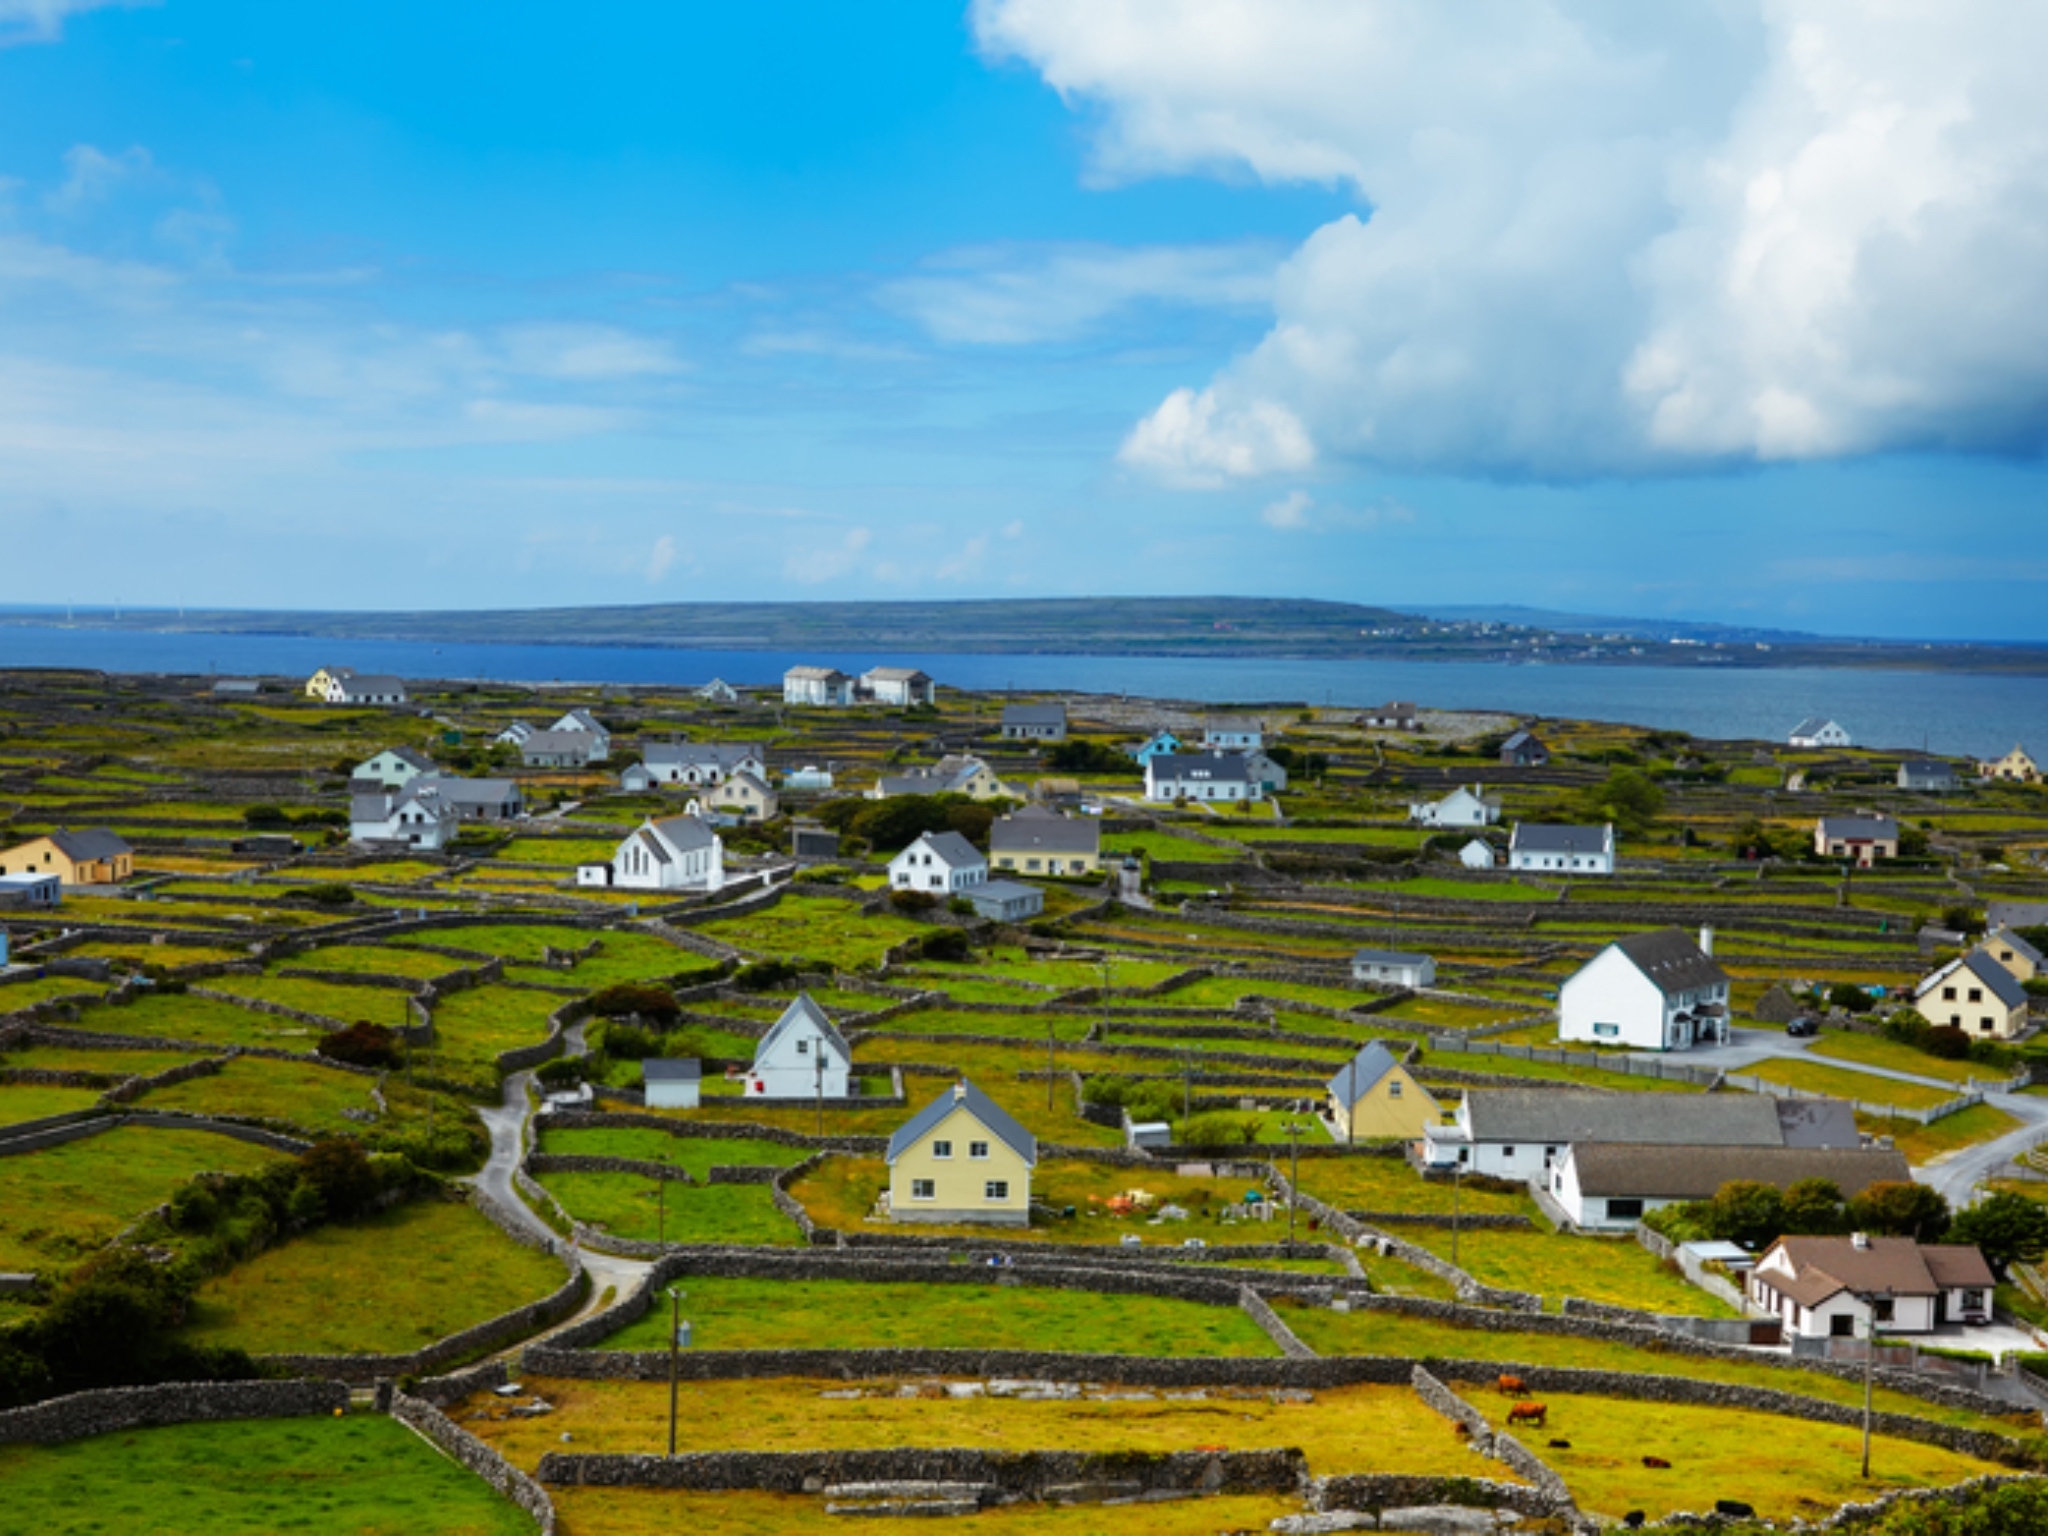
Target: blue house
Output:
{"points": [[1164, 742]]}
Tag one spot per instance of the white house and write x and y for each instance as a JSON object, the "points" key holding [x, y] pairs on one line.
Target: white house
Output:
{"points": [[1200, 776], [1270, 776], [898, 685], [557, 749], [939, 863], [1928, 775], [1034, 722], [1815, 731], [1832, 1287], [366, 688], [674, 1082], [747, 794], [418, 815], [719, 691], [1392, 968], [954, 774], [677, 853], [801, 1057], [1561, 850], [701, 763], [584, 721], [1465, 806], [1654, 991], [1518, 1133], [513, 735], [817, 685], [394, 768], [1477, 854], [1610, 1186], [1233, 736], [1395, 716]]}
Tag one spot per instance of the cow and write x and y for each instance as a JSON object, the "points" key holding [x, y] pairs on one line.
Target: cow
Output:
{"points": [[1527, 1413], [1657, 1462], [1560, 1445], [1634, 1519], [1734, 1509], [1514, 1386]]}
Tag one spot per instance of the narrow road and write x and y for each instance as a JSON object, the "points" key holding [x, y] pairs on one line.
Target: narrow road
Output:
{"points": [[506, 1122]]}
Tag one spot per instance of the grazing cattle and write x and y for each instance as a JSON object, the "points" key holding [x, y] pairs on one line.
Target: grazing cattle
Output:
{"points": [[1658, 1462], [1513, 1385], [1734, 1508], [1634, 1519], [1462, 1430], [1560, 1445], [1527, 1413]]}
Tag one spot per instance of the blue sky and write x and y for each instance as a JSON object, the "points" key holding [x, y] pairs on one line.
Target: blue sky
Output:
{"points": [[1699, 311]]}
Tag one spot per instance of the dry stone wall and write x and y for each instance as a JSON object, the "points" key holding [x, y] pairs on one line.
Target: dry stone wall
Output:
{"points": [[83, 1414], [467, 1451]]}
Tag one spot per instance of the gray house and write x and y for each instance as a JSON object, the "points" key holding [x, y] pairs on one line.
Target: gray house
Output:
{"points": [[1928, 775], [1035, 722], [1393, 968], [483, 799], [1523, 750], [672, 1082], [1006, 901], [557, 749]]}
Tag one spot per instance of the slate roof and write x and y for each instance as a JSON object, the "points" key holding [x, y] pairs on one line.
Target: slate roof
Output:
{"points": [[1812, 725], [952, 849], [1818, 1123], [671, 1069], [1034, 714], [409, 756], [1679, 1172], [1672, 960], [1859, 828], [90, 844], [580, 720], [964, 1095], [1827, 1266], [1995, 978], [895, 675], [1548, 837], [1387, 957], [2013, 942], [1221, 767], [684, 832], [1926, 770], [477, 791], [802, 1011], [683, 754], [1361, 1073], [1554, 1117], [808, 674], [1036, 830]]}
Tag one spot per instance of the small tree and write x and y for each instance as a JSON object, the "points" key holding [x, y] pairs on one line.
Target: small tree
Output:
{"points": [[1814, 1206], [1901, 1209], [1850, 998], [362, 1044], [1746, 1211], [340, 1171], [2007, 1228]]}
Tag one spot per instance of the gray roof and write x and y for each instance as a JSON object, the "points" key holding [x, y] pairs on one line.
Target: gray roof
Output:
{"points": [[1388, 957], [816, 674], [1812, 725], [557, 743], [90, 843], [581, 720], [964, 1095], [802, 1011], [2012, 941], [1036, 830], [1546, 837], [365, 683], [1818, 1123], [477, 791], [685, 832], [1358, 1075], [2016, 914], [1224, 767], [409, 755], [1001, 890], [1677, 1172], [1555, 1117], [1881, 828], [1926, 770], [671, 1069], [1671, 959], [718, 754], [1034, 714], [895, 675], [952, 847], [1524, 739]]}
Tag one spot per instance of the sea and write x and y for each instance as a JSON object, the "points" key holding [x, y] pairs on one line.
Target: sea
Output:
{"points": [[1956, 713]]}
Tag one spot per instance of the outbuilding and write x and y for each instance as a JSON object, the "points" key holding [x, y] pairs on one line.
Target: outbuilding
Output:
{"points": [[673, 1082]]}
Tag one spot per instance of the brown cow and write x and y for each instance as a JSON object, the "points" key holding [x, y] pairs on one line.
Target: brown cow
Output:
{"points": [[1527, 1413], [1513, 1385], [1657, 1462]]}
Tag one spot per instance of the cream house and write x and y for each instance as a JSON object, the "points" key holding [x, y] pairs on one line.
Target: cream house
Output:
{"points": [[1036, 841], [746, 796], [2015, 767], [2012, 952], [962, 1159], [1372, 1098], [93, 856], [322, 684], [1976, 995]]}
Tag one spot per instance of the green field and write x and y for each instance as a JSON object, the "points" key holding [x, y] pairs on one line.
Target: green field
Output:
{"points": [[697, 1155], [818, 928], [684, 1213], [1613, 1270], [309, 1097], [365, 1475]]}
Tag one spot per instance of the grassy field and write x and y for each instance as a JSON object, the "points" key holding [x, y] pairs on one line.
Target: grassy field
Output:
{"points": [[1389, 1184], [307, 1096], [384, 1285], [1846, 1083], [473, 1027], [697, 1154], [817, 928], [206, 1019], [18, 995], [683, 1213], [659, 1512], [1164, 845], [366, 1475], [377, 959], [1951, 1133], [330, 1000], [63, 1202], [1612, 1270], [857, 1314], [1876, 1051], [34, 1101]]}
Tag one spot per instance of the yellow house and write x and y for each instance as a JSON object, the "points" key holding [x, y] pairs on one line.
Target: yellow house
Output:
{"points": [[92, 857], [1036, 841], [1372, 1098], [962, 1159], [322, 684], [747, 796], [2012, 952], [2015, 766], [1976, 995]]}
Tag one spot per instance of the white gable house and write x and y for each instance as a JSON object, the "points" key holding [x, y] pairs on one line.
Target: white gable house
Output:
{"points": [[817, 685], [801, 1057], [678, 853], [695, 764], [1200, 776], [940, 864], [394, 768], [1653, 991], [583, 721], [1561, 850], [1814, 731], [419, 816], [1466, 806]]}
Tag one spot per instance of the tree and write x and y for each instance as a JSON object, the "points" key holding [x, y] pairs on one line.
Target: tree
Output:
{"points": [[1814, 1207], [1900, 1209], [2007, 1228], [1746, 1211], [1629, 798], [1850, 998], [340, 1170], [362, 1044]]}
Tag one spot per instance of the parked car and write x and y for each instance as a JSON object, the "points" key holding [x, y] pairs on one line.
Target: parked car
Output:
{"points": [[1803, 1027]]}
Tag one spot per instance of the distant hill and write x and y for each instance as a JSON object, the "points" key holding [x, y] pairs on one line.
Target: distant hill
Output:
{"points": [[1595, 624]]}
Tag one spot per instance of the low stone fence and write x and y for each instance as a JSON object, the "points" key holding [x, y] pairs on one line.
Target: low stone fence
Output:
{"points": [[1376, 1491], [83, 1414], [714, 1130], [1504, 1448], [569, 1162], [1255, 1307], [36, 1135], [1022, 1474], [467, 1451], [132, 1088], [325, 1023]]}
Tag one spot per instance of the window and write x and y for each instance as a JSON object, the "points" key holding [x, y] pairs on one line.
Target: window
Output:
{"points": [[1394, 1090], [1976, 994], [803, 1047], [923, 1189], [996, 1189], [942, 1149], [977, 1149], [1881, 1309], [1607, 1031], [1624, 1210], [1507, 1153]]}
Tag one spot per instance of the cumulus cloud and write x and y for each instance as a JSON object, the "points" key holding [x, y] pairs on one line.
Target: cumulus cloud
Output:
{"points": [[1594, 238], [1005, 295], [817, 563], [585, 352], [91, 175]]}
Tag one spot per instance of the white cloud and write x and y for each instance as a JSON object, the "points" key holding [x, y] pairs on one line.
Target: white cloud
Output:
{"points": [[585, 352], [1290, 511], [1299, 512], [91, 175], [1601, 238], [819, 563], [662, 559], [1005, 295], [42, 21]]}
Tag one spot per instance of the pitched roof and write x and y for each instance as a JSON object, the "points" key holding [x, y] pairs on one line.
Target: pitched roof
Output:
{"points": [[1680, 1172], [1224, 767], [2012, 941], [808, 674], [1520, 739], [718, 754], [354, 685], [89, 844], [1557, 1117], [951, 848], [477, 791], [1361, 1073], [1927, 770], [1882, 828], [684, 833], [1388, 957], [895, 675], [1672, 960], [1827, 1266], [671, 1069], [566, 743], [1957, 1266], [1036, 830], [409, 756], [802, 1013], [1546, 837], [964, 1095], [1995, 978], [1818, 1123], [580, 720], [1812, 725]]}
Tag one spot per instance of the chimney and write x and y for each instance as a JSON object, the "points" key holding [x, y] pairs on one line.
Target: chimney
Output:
{"points": [[960, 1093], [1860, 1239], [1706, 939]]}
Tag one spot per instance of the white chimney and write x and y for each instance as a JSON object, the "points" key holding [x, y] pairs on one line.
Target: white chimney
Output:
{"points": [[960, 1093], [1860, 1239], [1706, 939]]}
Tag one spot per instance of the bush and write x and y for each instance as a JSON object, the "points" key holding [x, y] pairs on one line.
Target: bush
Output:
{"points": [[265, 816], [912, 901], [654, 1004], [625, 1042], [1947, 1042], [362, 1044], [1850, 998], [339, 1169], [323, 895], [1217, 1128], [770, 975], [1901, 1209], [562, 1072], [945, 944]]}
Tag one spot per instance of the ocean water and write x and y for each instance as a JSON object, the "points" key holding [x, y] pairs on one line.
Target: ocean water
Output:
{"points": [[1949, 712]]}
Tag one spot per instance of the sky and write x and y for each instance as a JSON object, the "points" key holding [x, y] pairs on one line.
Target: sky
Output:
{"points": [[1715, 309]]}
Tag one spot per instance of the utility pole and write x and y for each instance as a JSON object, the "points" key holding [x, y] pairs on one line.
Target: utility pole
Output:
{"points": [[675, 1345], [1049, 1067], [818, 1076], [1870, 1368], [1293, 1171], [1457, 1191]]}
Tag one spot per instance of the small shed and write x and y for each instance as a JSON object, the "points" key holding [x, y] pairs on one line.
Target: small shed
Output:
{"points": [[1151, 1135], [672, 1082], [810, 841]]}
